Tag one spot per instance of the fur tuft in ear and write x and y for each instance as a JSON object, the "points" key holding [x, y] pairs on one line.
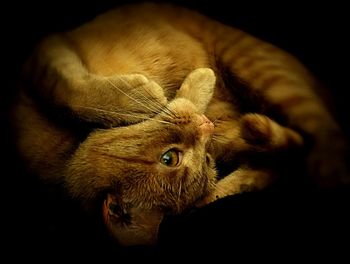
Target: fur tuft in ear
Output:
{"points": [[130, 225], [198, 87]]}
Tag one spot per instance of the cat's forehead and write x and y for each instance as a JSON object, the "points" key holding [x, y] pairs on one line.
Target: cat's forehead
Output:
{"points": [[181, 119], [177, 124]]}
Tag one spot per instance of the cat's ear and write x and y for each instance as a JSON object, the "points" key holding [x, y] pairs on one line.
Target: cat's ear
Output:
{"points": [[132, 225], [198, 87]]}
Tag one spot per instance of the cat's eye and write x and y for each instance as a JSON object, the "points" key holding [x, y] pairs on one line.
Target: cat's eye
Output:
{"points": [[171, 158]]}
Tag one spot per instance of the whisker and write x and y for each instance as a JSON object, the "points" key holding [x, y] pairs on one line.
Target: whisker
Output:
{"points": [[155, 104], [218, 139], [162, 107], [124, 114], [215, 121], [137, 101], [180, 190], [125, 82], [160, 121], [172, 113]]}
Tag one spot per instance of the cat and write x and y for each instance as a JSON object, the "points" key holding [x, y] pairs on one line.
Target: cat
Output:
{"points": [[133, 112]]}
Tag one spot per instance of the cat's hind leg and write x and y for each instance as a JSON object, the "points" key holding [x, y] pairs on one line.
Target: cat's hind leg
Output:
{"points": [[285, 84], [252, 133], [255, 133]]}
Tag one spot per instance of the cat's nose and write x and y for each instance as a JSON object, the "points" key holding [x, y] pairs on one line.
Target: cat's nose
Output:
{"points": [[206, 127]]}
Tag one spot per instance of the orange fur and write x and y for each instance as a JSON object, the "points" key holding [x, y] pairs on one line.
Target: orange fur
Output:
{"points": [[139, 79]]}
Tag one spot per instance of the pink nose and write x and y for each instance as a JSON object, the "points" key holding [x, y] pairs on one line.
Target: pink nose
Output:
{"points": [[206, 127]]}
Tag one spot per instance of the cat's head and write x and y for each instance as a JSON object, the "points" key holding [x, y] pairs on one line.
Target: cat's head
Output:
{"points": [[147, 169]]}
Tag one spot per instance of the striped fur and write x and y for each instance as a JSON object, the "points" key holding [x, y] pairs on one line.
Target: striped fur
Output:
{"points": [[90, 95]]}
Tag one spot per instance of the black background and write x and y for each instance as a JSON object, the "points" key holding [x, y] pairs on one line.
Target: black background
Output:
{"points": [[291, 222]]}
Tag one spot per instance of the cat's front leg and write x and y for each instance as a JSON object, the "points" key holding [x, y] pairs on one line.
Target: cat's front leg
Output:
{"points": [[117, 99], [239, 181], [57, 76]]}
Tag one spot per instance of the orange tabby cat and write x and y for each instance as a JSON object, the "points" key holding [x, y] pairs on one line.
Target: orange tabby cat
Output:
{"points": [[158, 88]]}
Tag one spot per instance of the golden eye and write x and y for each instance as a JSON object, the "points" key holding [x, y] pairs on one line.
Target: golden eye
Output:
{"points": [[171, 158]]}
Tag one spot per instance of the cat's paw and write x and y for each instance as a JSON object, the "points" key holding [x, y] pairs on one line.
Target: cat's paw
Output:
{"points": [[256, 128], [261, 131], [112, 100]]}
